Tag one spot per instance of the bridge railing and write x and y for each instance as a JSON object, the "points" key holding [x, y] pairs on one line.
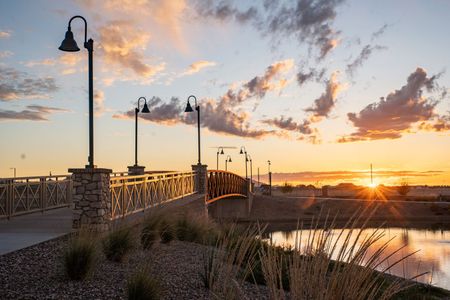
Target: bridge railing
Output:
{"points": [[131, 194], [22, 195], [222, 184]]}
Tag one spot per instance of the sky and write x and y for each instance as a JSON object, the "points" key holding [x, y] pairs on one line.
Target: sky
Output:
{"points": [[321, 88]]}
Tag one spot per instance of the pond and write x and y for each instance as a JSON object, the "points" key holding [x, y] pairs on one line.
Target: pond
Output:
{"points": [[433, 251]]}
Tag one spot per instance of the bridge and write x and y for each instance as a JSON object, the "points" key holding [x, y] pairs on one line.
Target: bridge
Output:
{"points": [[99, 197]]}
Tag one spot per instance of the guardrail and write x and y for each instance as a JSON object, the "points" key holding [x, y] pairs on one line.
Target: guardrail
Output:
{"points": [[222, 184], [131, 194], [22, 195]]}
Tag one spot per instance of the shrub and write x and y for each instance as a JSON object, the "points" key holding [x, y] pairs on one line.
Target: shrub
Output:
{"points": [[79, 256], [166, 231], [141, 286], [287, 188], [149, 233], [117, 244], [192, 229], [403, 189]]}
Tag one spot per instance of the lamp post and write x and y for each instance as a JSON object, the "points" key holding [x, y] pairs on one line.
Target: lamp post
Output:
{"points": [[270, 178], [226, 162], [249, 158], [197, 108], [70, 45], [136, 111], [244, 151], [14, 171], [219, 151]]}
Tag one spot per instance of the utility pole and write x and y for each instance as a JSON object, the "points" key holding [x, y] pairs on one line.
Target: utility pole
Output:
{"points": [[258, 175]]}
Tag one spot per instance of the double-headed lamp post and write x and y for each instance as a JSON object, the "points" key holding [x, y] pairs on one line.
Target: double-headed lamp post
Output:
{"points": [[197, 108], [249, 158], [219, 151], [244, 151], [70, 45], [144, 110], [227, 161]]}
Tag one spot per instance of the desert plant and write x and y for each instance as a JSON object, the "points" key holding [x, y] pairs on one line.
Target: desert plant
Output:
{"points": [[287, 188], [141, 286], [404, 188], [79, 255], [334, 264], [166, 231], [190, 229], [150, 229], [117, 244]]}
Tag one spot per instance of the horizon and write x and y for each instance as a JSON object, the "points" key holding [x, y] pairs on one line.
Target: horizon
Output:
{"points": [[319, 96]]}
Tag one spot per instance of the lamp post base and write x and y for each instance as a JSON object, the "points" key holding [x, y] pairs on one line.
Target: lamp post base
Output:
{"points": [[136, 170]]}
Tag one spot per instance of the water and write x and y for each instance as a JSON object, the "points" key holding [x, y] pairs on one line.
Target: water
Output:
{"points": [[433, 255]]}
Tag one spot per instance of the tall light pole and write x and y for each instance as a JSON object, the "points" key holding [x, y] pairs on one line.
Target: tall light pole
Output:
{"points": [[136, 111], [270, 178], [70, 45], [14, 171], [244, 151], [226, 162], [249, 158], [217, 156], [197, 108]]}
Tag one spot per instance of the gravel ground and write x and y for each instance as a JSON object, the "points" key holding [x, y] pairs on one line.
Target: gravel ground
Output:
{"points": [[36, 273]]}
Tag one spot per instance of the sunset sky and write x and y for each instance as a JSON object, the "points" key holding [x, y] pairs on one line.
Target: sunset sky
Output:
{"points": [[321, 88]]}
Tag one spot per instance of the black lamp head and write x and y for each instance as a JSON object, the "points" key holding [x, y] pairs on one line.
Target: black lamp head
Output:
{"points": [[145, 109], [229, 159], [188, 107], [69, 44], [221, 152], [241, 152]]}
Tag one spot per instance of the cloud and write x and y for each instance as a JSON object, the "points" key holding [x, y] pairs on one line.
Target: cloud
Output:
{"points": [[99, 103], [31, 113], [16, 85], [260, 85], [306, 20], [379, 32], [198, 66], [324, 104], [5, 54], [290, 125], [4, 34], [43, 62], [397, 113], [362, 57], [214, 116], [313, 74], [439, 124]]}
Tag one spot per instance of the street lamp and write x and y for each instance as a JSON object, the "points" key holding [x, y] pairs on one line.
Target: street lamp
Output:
{"points": [[226, 162], [244, 151], [219, 151], [268, 163], [70, 45], [249, 158], [14, 171], [136, 111], [270, 179], [197, 108]]}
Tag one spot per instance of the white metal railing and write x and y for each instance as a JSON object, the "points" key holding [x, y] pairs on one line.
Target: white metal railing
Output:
{"points": [[131, 194], [23, 195]]}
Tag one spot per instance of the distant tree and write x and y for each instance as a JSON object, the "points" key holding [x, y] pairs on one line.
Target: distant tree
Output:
{"points": [[404, 188], [287, 188]]}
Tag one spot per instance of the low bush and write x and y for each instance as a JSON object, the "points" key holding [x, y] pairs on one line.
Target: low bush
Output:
{"points": [[117, 244], [166, 231], [141, 286]]}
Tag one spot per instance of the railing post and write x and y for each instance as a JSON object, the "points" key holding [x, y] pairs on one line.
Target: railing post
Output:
{"points": [[68, 191], [43, 193], [9, 198], [91, 201]]}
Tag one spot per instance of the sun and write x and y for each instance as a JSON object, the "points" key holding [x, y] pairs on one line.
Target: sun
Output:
{"points": [[372, 185]]}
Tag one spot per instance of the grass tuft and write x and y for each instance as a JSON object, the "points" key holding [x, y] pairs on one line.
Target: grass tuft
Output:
{"points": [[79, 256], [166, 231], [141, 286], [117, 244]]}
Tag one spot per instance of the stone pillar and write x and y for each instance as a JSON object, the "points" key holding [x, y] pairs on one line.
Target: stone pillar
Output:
{"points": [[136, 170], [91, 203], [200, 178]]}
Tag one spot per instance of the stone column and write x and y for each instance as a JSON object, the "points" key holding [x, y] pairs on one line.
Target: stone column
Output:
{"points": [[91, 203], [200, 178], [136, 170]]}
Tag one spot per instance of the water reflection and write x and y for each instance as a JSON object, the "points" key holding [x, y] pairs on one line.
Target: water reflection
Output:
{"points": [[433, 254]]}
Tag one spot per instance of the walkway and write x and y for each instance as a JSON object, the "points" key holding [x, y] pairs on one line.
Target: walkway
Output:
{"points": [[27, 230]]}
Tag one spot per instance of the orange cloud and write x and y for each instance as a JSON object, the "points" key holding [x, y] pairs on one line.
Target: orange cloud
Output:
{"points": [[198, 66]]}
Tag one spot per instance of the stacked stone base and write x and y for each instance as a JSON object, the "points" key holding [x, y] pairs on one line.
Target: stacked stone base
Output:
{"points": [[91, 204]]}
